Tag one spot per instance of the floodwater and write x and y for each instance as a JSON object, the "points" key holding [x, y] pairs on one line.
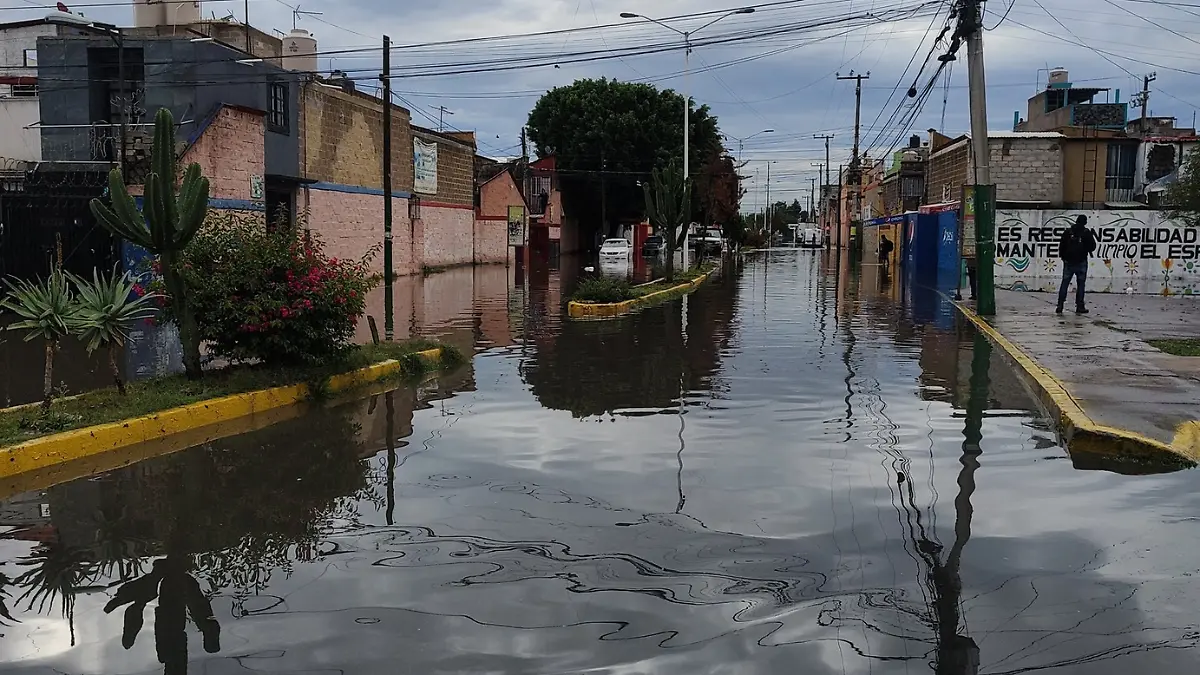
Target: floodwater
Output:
{"points": [[804, 471]]}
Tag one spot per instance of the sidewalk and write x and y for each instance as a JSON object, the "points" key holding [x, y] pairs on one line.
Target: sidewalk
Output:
{"points": [[1100, 375]]}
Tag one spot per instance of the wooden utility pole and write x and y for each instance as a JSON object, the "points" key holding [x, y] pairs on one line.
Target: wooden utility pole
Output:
{"points": [[855, 168], [389, 326]]}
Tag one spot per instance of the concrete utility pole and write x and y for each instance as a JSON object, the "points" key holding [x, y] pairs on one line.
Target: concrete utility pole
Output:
{"points": [[442, 112], [1143, 99], [817, 206], [970, 27], [855, 169], [769, 209], [812, 199], [389, 324]]}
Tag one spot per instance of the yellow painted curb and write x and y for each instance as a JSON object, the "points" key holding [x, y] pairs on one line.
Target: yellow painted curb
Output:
{"points": [[69, 446], [607, 310], [1080, 430]]}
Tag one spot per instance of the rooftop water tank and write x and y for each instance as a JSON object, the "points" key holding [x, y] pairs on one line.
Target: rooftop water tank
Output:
{"points": [[300, 51]]}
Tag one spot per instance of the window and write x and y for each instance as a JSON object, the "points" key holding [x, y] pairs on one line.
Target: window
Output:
{"points": [[277, 107], [30, 58], [24, 90], [1119, 171]]}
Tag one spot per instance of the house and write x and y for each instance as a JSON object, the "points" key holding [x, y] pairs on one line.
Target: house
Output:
{"points": [[903, 185]]}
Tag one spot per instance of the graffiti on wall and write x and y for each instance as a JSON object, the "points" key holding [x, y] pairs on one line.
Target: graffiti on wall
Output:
{"points": [[1137, 251]]}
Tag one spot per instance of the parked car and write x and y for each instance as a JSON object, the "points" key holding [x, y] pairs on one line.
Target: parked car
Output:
{"points": [[810, 237], [653, 246], [710, 243], [615, 249]]}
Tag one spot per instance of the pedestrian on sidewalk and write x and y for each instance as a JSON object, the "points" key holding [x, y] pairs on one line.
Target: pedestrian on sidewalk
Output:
{"points": [[885, 251], [1074, 248]]}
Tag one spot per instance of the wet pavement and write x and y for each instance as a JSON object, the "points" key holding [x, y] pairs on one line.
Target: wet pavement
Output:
{"points": [[796, 471], [1105, 363]]}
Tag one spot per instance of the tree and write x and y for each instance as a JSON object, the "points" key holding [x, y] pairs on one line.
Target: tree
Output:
{"points": [[667, 196], [608, 136], [719, 192], [164, 226], [1183, 196], [109, 305], [48, 310]]}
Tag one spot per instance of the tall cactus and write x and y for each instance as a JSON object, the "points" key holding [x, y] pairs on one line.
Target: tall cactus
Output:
{"points": [[164, 226], [668, 195]]}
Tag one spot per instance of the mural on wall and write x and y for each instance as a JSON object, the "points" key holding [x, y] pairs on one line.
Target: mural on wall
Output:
{"points": [[1137, 252]]}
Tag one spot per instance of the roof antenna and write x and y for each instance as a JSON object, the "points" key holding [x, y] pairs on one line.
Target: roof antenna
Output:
{"points": [[297, 12]]}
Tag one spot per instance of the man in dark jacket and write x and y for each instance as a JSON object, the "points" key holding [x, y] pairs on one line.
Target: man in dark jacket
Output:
{"points": [[1075, 246]]}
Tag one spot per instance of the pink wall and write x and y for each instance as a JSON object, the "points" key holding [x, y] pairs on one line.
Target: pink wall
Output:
{"points": [[229, 151], [449, 235], [496, 195], [491, 241], [351, 223]]}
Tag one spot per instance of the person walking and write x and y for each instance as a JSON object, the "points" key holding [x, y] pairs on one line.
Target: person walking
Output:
{"points": [[885, 251], [1074, 248]]}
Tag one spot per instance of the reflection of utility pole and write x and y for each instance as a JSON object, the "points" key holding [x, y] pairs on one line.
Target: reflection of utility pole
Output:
{"points": [[390, 425]]}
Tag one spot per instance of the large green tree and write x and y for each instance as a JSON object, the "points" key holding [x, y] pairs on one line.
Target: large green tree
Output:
{"points": [[1183, 196], [607, 137]]}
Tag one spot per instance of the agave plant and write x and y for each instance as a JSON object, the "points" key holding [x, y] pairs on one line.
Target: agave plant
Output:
{"points": [[48, 310], [108, 309]]}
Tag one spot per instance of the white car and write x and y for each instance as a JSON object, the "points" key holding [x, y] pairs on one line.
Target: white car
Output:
{"points": [[810, 238], [615, 249]]}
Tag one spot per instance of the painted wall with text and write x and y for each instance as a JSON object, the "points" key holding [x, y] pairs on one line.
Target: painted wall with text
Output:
{"points": [[1137, 251]]}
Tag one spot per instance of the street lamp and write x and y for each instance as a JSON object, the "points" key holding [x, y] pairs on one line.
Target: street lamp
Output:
{"points": [[741, 141], [687, 103]]}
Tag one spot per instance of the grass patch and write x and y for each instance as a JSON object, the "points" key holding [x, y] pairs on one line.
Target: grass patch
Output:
{"points": [[1179, 347], [151, 396], [601, 290]]}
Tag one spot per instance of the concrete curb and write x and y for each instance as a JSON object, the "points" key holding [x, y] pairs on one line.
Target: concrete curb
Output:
{"points": [[69, 446], [608, 310], [1082, 433]]}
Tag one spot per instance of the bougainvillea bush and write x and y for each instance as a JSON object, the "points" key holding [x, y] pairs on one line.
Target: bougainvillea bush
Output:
{"points": [[272, 295]]}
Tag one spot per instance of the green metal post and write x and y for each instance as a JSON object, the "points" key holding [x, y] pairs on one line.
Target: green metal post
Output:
{"points": [[985, 249]]}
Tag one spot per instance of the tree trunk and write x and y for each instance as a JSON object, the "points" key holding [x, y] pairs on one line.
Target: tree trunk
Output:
{"points": [[189, 333], [48, 377], [116, 371]]}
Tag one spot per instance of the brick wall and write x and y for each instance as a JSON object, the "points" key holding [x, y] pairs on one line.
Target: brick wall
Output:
{"points": [[1027, 169], [229, 152], [351, 224], [455, 169], [946, 172], [341, 139], [496, 195]]}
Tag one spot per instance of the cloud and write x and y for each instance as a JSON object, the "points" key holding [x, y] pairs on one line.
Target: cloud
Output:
{"points": [[783, 81]]}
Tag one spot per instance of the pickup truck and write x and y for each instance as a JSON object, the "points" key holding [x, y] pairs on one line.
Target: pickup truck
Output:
{"points": [[710, 243]]}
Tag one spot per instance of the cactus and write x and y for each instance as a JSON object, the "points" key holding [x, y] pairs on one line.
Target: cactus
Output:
{"points": [[668, 195], [164, 226]]}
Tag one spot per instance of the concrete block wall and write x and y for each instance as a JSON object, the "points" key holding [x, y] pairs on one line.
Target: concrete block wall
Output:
{"points": [[1027, 169], [455, 169], [341, 140], [946, 172]]}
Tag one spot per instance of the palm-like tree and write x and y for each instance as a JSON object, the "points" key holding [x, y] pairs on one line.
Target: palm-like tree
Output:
{"points": [[48, 310], [108, 309]]}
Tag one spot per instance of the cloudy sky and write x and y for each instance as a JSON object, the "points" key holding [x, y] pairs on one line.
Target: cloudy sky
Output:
{"points": [[774, 69]]}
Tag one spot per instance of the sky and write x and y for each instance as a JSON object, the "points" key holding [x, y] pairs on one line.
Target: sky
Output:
{"points": [[772, 69]]}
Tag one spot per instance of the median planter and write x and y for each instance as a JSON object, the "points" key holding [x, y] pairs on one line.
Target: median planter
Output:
{"points": [[102, 421], [651, 294]]}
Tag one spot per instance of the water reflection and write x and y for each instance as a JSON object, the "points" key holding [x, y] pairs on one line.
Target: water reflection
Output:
{"points": [[767, 481]]}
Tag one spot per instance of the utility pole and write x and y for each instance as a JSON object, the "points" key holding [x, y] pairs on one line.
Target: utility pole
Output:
{"points": [[826, 138], [389, 327], [970, 27], [812, 199], [816, 201], [768, 210], [855, 169], [249, 51], [838, 212], [1142, 99]]}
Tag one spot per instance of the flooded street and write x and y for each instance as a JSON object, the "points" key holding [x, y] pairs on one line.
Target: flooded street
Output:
{"points": [[795, 470]]}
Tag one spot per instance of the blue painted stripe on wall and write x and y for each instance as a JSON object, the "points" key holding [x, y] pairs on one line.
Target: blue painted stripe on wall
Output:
{"points": [[231, 204], [357, 190]]}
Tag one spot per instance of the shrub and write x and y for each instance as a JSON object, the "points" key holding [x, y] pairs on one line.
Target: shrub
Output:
{"points": [[603, 289], [271, 295]]}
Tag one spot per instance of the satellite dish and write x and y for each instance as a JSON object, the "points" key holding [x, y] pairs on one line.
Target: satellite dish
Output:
{"points": [[63, 8]]}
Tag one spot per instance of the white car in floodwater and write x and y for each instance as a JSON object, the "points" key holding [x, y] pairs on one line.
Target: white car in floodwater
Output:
{"points": [[615, 249]]}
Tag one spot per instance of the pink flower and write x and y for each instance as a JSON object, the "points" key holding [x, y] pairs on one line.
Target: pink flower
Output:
{"points": [[138, 291], [284, 312]]}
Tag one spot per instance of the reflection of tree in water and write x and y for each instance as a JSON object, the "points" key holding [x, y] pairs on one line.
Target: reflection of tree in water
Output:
{"points": [[596, 367], [227, 516]]}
